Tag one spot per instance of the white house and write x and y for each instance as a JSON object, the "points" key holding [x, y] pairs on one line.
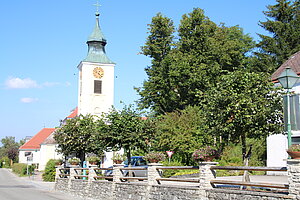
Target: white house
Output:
{"points": [[32, 152], [277, 144]]}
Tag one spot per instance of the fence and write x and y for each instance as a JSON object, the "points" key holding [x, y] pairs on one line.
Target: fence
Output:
{"points": [[92, 182]]}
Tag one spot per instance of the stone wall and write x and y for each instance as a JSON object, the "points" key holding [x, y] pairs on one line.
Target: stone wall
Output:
{"points": [[152, 190], [222, 194]]}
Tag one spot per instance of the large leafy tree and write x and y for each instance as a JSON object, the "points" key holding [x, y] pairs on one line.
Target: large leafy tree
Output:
{"points": [[243, 105], [283, 40], [125, 129], [182, 70], [79, 135]]}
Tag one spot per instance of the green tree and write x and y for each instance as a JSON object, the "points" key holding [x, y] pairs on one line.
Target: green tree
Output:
{"points": [[188, 66], [283, 25], [10, 148], [125, 129], [243, 105], [182, 132], [79, 135]]}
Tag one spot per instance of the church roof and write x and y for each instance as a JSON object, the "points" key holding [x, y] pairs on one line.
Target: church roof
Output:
{"points": [[97, 34], [96, 46], [35, 142], [293, 62]]}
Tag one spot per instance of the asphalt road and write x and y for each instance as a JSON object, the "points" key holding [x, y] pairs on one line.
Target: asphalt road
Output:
{"points": [[15, 188]]}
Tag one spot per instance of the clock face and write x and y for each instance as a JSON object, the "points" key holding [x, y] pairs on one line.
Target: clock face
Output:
{"points": [[98, 72]]}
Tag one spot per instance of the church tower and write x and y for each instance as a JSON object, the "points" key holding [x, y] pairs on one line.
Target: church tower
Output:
{"points": [[96, 76]]}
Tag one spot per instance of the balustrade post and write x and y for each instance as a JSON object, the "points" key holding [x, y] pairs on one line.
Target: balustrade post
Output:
{"points": [[293, 169], [206, 174], [153, 173], [92, 173], [57, 172], [117, 173]]}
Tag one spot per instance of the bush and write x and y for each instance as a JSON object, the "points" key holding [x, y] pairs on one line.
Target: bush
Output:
{"points": [[5, 162], [49, 174], [21, 169]]}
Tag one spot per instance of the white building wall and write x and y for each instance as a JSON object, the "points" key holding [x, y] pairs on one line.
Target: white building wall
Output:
{"points": [[35, 158], [88, 101], [276, 152], [47, 152]]}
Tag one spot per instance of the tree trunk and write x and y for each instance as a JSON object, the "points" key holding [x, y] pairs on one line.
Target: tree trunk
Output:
{"points": [[244, 146]]}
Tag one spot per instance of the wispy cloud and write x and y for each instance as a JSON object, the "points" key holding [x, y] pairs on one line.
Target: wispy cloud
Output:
{"points": [[28, 100], [17, 83]]}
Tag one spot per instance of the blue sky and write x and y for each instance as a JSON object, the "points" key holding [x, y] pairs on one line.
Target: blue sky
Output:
{"points": [[42, 42]]}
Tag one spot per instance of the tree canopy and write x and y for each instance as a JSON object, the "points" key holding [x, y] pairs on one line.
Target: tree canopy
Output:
{"points": [[183, 69], [79, 136], [283, 40]]}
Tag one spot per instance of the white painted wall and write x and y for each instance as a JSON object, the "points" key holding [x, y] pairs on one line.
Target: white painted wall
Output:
{"points": [[35, 158], [47, 152], [88, 101]]}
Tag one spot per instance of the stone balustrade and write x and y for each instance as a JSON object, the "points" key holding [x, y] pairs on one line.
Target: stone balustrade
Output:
{"points": [[152, 189]]}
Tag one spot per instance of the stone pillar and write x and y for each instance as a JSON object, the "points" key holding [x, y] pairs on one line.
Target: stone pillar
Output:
{"points": [[293, 169], [92, 173], [72, 174], [153, 173], [206, 175], [117, 173], [57, 172]]}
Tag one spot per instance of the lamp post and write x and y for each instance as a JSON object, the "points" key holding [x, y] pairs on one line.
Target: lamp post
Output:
{"points": [[287, 79]]}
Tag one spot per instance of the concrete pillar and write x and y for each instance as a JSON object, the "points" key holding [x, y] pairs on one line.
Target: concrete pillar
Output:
{"points": [[205, 176], [153, 173], [293, 168], [92, 173], [117, 173], [57, 172]]}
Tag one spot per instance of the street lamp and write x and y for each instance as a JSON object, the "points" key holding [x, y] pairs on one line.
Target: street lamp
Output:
{"points": [[287, 79]]}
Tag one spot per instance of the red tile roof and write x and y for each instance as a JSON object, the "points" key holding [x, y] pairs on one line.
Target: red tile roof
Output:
{"points": [[74, 113], [293, 62], [35, 142]]}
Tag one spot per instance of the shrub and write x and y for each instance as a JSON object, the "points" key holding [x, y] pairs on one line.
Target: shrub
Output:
{"points": [[294, 147], [21, 169], [5, 162], [49, 174]]}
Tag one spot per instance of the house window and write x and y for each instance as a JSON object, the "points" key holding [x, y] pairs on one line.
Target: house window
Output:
{"points": [[294, 111], [97, 87]]}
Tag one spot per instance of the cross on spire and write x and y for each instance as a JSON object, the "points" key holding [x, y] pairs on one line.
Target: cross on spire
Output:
{"points": [[97, 6]]}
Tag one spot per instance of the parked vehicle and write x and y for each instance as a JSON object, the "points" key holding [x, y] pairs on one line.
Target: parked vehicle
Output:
{"points": [[136, 161]]}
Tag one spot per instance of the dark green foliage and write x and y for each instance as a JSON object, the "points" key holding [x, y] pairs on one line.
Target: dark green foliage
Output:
{"points": [[21, 169], [182, 132], [243, 105], [125, 129], [283, 25], [10, 148], [49, 174], [187, 67]]}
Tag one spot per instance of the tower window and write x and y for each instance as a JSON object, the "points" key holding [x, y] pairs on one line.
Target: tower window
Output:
{"points": [[97, 87]]}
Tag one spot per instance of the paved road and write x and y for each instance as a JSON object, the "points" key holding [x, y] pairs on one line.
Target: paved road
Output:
{"points": [[15, 188]]}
